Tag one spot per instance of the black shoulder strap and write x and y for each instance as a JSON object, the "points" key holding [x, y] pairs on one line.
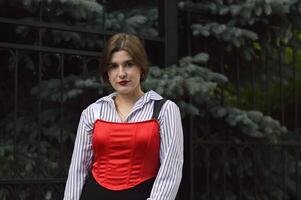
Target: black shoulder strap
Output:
{"points": [[157, 107]]}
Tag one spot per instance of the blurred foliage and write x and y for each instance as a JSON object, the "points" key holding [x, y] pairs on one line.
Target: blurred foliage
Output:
{"points": [[256, 45], [275, 89], [87, 14], [238, 22]]}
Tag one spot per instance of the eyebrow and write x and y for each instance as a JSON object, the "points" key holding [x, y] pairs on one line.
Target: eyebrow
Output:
{"points": [[130, 60]]}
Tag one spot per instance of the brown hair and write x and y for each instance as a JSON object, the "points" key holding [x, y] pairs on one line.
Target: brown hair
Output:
{"points": [[129, 43]]}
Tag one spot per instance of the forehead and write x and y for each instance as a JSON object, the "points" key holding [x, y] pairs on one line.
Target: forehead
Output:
{"points": [[120, 56]]}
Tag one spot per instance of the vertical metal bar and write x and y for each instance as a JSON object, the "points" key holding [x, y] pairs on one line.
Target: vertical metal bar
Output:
{"points": [[224, 154], [222, 72], [161, 19], [40, 20], [191, 129], [296, 128], [207, 163], [168, 29], [281, 84], [270, 163], [188, 33], [85, 70], [240, 172], [39, 92], [238, 80], [38, 164], [191, 155], [85, 67], [283, 148], [297, 158], [266, 82], [61, 60], [104, 18], [15, 112], [254, 153], [253, 85], [104, 10]]}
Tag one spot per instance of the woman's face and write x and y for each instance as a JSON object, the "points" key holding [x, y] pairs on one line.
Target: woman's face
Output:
{"points": [[124, 74]]}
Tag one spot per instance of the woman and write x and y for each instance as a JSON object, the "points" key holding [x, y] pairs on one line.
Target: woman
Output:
{"points": [[129, 144]]}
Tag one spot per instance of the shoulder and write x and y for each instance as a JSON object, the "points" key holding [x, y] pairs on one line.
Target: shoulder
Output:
{"points": [[169, 118], [169, 106], [169, 111], [101, 101], [92, 112]]}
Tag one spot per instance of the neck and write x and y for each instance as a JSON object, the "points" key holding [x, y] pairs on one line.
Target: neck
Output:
{"points": [[129, 98]]}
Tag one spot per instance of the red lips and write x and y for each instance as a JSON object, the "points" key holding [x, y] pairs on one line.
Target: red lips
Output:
{"points": [[123, 82]]}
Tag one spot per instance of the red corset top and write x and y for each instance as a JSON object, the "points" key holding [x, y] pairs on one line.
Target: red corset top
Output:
{"points": [[125, 154]]}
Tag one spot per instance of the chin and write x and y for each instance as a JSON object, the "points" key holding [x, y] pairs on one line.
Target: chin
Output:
{"points": [[124, 91]]}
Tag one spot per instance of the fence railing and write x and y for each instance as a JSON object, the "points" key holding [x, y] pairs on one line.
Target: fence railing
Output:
{"points": [[220, 165], [38, 91]]}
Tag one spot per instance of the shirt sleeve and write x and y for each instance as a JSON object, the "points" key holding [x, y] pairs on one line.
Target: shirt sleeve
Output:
{"points": [[81, 158], [169, 176]]}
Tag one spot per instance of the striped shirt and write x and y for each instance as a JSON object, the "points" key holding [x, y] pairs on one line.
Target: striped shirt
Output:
{"points": [[171, 144]]}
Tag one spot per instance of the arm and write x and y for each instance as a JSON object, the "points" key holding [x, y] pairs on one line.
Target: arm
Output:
{"points": [[169, 176], [81, 158]]}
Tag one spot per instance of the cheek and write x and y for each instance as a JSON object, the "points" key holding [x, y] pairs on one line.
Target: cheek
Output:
{"points": [[138, 73], [110, 75], [110, 78]]}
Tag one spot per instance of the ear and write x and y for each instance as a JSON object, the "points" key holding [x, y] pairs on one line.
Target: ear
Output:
{"points": [[142, 76]]}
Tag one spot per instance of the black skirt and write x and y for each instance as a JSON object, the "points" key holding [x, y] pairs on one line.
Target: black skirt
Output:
{"points": [[93, 191]]}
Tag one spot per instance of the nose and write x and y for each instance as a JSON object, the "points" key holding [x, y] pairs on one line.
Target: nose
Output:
{"points": [[121, 72]]}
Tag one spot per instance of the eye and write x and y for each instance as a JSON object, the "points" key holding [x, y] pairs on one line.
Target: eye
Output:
{"points": [[112, 66], [129, 64]]}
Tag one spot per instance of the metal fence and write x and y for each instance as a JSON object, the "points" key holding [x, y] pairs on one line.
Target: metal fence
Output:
{"points": [[36, 138], [221, 167]]}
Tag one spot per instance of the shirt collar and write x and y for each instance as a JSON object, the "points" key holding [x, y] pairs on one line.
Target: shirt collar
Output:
{"points": [[108, 98], [150, 95]]}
